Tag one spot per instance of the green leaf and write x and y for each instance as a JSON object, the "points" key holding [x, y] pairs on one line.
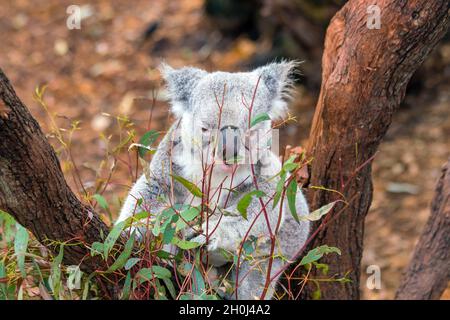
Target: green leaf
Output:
{"points": [[317, 253], [147, 274], [131, 262], [147, 140], [228, 255], [322, 266], [190, 296], [112, 237], [74, 277], [170, 287], [101, 201], [187, 296], [87, 283], [55, 273], [20, 247], [317, 294], [192, 188], [319, 213], [169, 230], [163, 254], [289, 165], [198, 284], [166, 217], [96, 249], [186, 216], [124, 255], [208, 297], [126, 287], [7, 224], [184, 244], [3, 289], [161, 291], [249, 245], [245, 201], [291, 194], [137, 218], [279, 188], [259, 118]]}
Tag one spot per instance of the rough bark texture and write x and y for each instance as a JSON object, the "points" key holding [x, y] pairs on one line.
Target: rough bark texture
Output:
{"points": [[365, 73], [428, 273], [32, 186]]}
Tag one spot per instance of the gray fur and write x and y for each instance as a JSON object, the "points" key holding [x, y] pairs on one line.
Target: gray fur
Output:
{"points": [[196, 96]]}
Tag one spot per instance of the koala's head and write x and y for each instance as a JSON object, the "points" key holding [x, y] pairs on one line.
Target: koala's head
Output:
{"points": [[214, 108]]}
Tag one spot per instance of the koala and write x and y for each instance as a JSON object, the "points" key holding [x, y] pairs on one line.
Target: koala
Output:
{"points": [[220, 106]]}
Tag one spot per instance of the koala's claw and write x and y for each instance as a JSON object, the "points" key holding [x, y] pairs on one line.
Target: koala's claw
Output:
{"points": [[212, 245], [190, 233], [199, 239]]}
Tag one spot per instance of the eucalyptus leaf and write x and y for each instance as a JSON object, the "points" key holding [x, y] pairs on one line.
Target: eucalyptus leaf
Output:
{"points": [[96, 249], [290, 164], [124, 255], [317, 253], [184, 244], [319, 213], [112, 237], [162, 221], [131, 263], [170, 287], [74, 277], [291, 194], [147, 274], [101, 201], [259, 118], [147, 140], [198, 283], [20, 247], [126, 287], [55, 272], [245, 201], [186, 216], [169, 230], [279, 188], [191, 187]]}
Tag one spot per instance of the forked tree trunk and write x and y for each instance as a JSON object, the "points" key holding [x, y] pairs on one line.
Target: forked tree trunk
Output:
{"points": [[365, 73], [33, 189], [428, 273]]}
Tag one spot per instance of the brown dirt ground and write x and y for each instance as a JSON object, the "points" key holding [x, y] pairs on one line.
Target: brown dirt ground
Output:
{"points": [[107, 68]]}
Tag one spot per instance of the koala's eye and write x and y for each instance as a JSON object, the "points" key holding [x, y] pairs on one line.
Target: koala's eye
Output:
{"points": [[204, 129]]}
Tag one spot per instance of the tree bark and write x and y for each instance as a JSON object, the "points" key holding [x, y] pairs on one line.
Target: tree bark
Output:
{"points": [[33, 189], [428, 273], [365, 73]]}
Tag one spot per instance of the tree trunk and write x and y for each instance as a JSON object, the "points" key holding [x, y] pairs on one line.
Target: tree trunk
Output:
{"points": [[428, 273], [33, 189], [365, 73]]}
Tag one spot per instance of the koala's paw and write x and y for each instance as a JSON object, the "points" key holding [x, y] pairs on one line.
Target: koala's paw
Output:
{"points": [[199, 239], [213, 242], [190, 233]]}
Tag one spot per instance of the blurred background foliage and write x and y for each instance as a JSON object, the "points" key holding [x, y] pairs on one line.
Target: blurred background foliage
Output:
{"points": [[103, 88]]}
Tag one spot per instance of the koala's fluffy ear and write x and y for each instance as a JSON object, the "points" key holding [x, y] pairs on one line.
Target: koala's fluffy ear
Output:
{"points": [[277, 77], [180, 83]]}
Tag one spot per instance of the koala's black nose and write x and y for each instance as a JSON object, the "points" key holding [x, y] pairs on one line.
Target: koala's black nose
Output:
{"points": [[229, 144]]}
